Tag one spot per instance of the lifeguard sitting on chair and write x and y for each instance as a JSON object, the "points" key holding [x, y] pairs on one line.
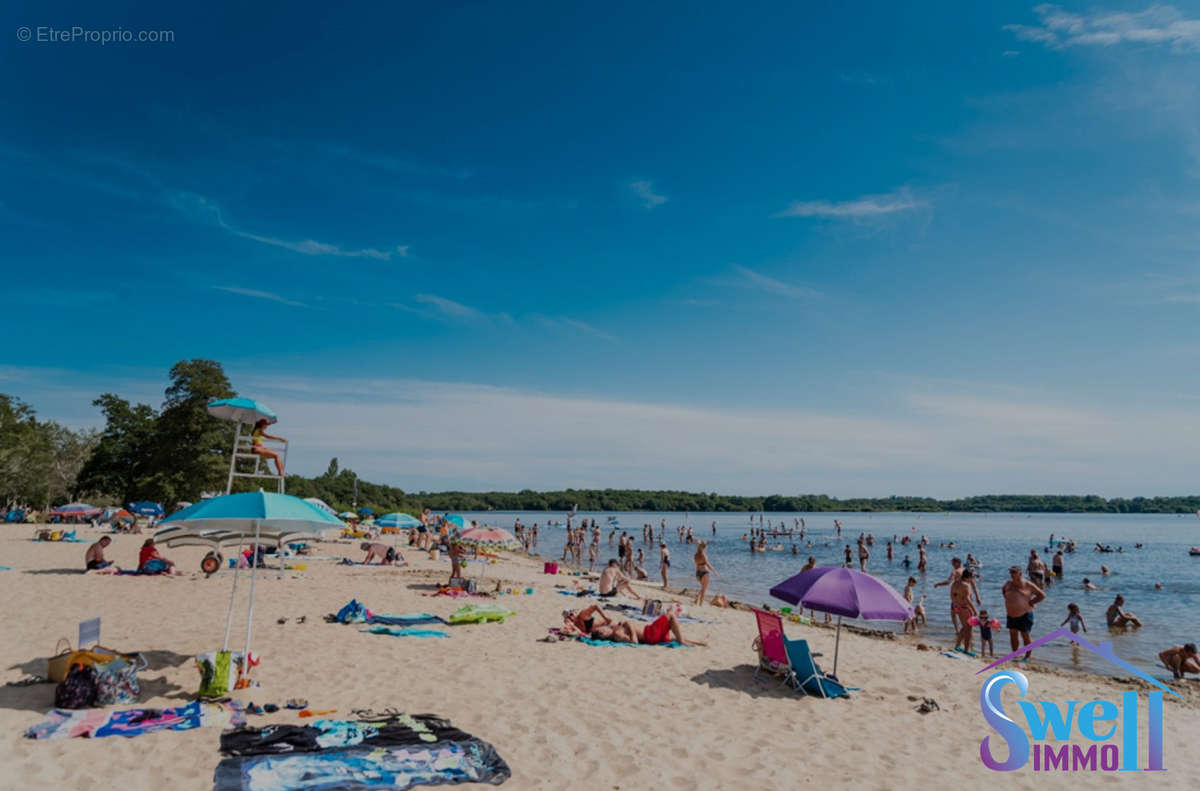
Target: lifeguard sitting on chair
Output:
{"points": [[257, 447]]}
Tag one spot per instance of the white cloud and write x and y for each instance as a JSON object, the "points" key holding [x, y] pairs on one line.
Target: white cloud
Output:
{"points": [[645, 191], [206, 212], [255, 293], [867, 206], [940, 439], [1158, 24], [771, 285], [450, 308], [574, 324]]}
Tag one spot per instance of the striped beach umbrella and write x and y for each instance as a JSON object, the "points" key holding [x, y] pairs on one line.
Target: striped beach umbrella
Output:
{"points": [[489, 538]]}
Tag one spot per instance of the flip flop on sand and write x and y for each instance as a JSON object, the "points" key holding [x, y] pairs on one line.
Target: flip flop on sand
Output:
{"points": [[297, 703]]}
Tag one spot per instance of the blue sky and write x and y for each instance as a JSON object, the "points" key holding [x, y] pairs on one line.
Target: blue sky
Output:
{"points": [[810, 247]]}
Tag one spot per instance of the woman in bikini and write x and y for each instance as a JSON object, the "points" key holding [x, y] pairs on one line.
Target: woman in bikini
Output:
{"points": [[704, 570], [257, 447], [666, 562], [586, 620]]}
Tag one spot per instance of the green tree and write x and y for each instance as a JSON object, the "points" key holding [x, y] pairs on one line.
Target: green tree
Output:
{"points": [[191, 447], [119, 464]]}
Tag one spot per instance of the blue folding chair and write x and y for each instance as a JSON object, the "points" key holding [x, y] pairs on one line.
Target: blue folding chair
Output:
{"points": [[811, 680]]}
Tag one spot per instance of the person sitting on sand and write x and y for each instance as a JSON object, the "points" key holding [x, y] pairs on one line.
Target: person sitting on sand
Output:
{"points": [[613, 581], [1180, 659], [1117, 618], [386, 555], [664, 629], [150, 562], [257, 447], [94, 558]]}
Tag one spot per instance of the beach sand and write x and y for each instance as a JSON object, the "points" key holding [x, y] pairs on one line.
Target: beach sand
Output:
{"points": [[563, 715]]}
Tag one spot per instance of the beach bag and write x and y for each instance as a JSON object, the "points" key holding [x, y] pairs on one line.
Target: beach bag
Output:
{"points": [[116, 681], [353, 611], [550, 568], [77, 690], [652, 607], [218, 673], [59, 665]]}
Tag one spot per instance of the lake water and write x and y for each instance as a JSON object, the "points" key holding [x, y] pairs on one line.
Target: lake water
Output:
{"points": [[1170, 615]]}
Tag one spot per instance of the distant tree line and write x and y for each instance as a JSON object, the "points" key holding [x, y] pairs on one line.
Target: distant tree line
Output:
{"points": [[178, 452]]}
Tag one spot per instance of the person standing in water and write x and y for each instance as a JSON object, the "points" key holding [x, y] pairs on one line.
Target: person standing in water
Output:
{"points": [[664, 564], [704, 570]]}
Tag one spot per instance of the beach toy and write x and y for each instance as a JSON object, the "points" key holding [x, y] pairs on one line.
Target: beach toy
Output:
{"points": [[785, 610], [529, 591]]}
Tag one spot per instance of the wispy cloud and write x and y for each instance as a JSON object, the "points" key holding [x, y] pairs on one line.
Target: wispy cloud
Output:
{"points": [[256, 294], [313, 247], [645, 191], [450, 308], [1189, 299], [570, 324], [207, 212], [867, 206], [1158, 24], [771, 285]]}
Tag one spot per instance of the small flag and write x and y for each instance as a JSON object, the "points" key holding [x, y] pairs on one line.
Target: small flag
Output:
{"points": [[89, 632]]}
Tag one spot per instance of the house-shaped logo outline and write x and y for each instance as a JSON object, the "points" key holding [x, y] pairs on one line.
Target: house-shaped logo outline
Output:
{"points": [[1103, 650]]}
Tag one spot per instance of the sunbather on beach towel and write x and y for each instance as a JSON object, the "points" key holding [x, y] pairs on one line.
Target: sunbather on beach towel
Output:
{"points": [[94, 558], [586, 619], [664, 629]]}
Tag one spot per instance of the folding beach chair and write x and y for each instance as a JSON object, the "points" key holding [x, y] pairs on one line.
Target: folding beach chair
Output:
{"points": [[810, 678], [772, 653]]}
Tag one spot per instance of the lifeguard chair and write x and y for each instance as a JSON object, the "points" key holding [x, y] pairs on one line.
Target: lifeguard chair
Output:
{"points": [[247, 411]]}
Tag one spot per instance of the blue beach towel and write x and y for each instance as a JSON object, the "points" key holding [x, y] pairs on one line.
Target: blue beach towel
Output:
{"points": [[407, 631]]}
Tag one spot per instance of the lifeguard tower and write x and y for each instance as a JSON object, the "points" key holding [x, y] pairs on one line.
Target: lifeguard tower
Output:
{"points": [[247, 412]]}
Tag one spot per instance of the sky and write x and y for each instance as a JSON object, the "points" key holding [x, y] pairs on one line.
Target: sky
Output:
{"points": [[754, 248]]}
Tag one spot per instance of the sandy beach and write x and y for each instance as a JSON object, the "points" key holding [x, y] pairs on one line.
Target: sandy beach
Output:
{"points": [[563, 715]]}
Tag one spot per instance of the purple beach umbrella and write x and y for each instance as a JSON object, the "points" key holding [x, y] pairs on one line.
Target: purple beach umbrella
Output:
{"points": [[842, 591]]}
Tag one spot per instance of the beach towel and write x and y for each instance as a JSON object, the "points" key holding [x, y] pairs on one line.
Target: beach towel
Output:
{"points": [[476, 613], [364, 767], [389, 750], [403, 619], [99, 723], [406, 631]]}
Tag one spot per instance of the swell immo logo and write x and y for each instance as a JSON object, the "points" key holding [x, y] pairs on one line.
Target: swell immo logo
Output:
{"points": [[1072, 736]]}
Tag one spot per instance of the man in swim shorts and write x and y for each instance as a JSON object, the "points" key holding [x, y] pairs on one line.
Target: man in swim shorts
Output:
{"points": [[94, 558], [1020, 597], [612, 582]]}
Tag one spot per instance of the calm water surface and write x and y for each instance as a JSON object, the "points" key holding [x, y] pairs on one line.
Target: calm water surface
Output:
{"points": [[1170, 615]]}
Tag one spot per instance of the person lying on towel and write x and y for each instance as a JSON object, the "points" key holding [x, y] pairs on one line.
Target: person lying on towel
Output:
{"points": [[664, 629], [382, 552]]}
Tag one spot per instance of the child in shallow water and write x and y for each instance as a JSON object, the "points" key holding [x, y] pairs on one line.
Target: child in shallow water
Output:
{"points": [[1074, 618], [985, 634]]}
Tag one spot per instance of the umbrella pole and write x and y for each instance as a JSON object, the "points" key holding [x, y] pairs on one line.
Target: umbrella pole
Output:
{"points": [[232, 596], [250, 612], [837, 642]]}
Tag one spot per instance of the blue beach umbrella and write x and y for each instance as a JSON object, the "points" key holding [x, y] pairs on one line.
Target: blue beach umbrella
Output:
{"points": [[146, 508], [241, 410], [238, 518], [366, 512], [397, 520], [455, 519]]}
